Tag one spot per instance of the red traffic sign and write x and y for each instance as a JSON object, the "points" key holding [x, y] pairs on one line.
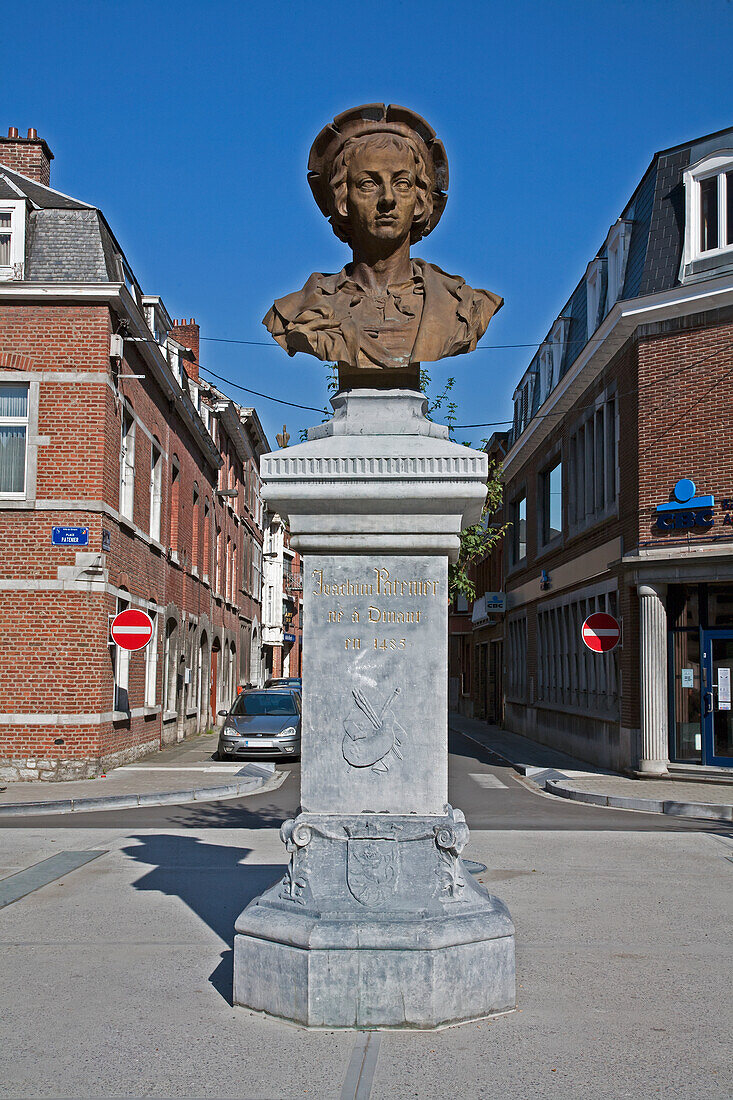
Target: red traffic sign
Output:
{"points": [[601, 632], [132, 629]]}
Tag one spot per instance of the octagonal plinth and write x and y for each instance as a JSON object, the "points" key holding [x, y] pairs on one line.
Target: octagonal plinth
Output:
{"points": [[376, 924]]}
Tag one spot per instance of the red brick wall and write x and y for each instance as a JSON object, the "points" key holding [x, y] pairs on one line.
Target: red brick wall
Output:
{"points": [[59, 661], [29, 156]]}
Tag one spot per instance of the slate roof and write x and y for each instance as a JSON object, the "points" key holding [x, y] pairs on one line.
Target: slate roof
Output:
{"points": [[67, 240], [657, 213]]}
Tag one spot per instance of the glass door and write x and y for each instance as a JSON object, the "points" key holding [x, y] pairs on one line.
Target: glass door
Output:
{"points": [[717, 715]]}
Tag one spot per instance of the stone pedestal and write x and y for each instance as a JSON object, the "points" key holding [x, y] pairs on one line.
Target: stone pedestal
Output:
{"points": [[376, 923]]}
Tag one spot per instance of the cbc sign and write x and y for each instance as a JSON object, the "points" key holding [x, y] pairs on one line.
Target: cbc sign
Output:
{"points": [[686, 510]]}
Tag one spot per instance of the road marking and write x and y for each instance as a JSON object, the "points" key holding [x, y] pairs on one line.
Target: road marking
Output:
{"points": [[360, 1074], [40, 874], [487, 780]]}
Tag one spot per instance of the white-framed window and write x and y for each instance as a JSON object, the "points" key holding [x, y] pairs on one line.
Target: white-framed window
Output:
{"points": [[12, 239], [617, 252], [709, 209], [127, 464], [122, 664], [151, 662], [13, 438], [156, 489], [256, 571]]}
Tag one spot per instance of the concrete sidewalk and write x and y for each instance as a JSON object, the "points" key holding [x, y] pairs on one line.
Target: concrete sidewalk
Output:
{"points": [[181, 773], [575, 779]]}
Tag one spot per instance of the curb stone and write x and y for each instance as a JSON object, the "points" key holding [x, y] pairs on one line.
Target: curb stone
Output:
{"points": [[553, 782], [259, 776], [711, 811]]}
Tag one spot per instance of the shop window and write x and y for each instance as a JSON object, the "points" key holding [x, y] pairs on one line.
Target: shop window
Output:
{"points": [[13, 438], [568, 673], [127, 465], [516, 672], [550, 503]]}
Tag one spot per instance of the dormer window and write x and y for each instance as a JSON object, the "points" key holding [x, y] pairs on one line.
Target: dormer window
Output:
{"points": [[12, 239], [709, 213], [595, 278], [617, 251], [547, 379]]}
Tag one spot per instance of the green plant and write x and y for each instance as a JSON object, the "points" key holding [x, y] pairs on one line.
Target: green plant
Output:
{"points": [[480, 538]]}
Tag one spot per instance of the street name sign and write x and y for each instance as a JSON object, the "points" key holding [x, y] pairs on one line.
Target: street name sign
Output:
{"points": [[132, 629], [601, 632], [70, 536]]}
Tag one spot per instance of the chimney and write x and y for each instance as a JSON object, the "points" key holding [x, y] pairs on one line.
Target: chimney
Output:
{"points": [[28, 155], [187, 333]]}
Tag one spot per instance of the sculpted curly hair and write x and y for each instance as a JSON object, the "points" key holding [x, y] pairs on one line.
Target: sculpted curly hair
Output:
{"points": [[337, 183]]}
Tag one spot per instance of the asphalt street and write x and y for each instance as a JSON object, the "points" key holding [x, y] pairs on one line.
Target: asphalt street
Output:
{"points": [[515, 803], [116, 960]]}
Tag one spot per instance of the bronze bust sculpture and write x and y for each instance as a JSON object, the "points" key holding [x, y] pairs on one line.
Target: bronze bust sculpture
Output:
{"points": [[381, 177]]}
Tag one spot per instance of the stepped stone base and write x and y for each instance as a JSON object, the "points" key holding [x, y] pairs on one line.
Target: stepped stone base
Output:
{"points": [[376, 924]]}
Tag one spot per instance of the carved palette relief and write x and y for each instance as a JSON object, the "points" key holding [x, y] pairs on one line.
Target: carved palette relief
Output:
{"points": [[373, 737]]}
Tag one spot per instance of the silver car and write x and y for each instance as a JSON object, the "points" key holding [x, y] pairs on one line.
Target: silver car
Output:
{"points": [[261, 724]]}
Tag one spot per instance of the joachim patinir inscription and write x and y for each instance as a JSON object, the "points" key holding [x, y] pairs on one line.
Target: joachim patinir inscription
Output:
{"points": [[384, 599]]}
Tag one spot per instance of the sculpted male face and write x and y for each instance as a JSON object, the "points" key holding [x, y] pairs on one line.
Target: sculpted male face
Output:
{"points": [[381, 194]]}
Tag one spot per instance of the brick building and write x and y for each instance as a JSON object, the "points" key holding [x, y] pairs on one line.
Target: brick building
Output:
{"points": [[619, 485], [125, 480]]}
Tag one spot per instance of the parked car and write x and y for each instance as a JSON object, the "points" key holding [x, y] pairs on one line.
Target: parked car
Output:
{"points": [[285, 681], [261, 723]]}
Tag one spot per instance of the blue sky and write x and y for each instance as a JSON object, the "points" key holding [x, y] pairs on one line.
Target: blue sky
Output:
{"points": [[189, 124]]}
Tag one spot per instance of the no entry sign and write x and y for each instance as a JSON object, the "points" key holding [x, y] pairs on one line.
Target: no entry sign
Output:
{"points": [[601, 632], [132, 629]]}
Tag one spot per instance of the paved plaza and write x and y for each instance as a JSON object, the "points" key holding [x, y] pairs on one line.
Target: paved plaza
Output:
{"points": [[623, 958]]}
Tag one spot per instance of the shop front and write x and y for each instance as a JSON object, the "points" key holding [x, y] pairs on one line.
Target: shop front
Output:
{"points": [[700, 653]]}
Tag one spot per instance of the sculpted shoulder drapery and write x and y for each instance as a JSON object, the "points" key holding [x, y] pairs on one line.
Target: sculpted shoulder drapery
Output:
{"points": [[380, 176]]}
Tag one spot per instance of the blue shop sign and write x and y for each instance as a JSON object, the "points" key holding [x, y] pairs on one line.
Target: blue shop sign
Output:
{"points": [[685, 510], [288, 637], [70, 536]]}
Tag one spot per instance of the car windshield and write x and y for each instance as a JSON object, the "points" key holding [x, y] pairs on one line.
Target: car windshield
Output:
{"points": [[265, 702]]}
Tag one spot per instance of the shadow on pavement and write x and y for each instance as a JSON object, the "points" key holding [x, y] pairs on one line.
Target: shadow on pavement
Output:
{"points": [[210, 879], [460, 745]]}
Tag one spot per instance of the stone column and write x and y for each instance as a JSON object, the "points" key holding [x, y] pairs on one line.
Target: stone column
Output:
{"points": [[653, 677], [376, 922]]}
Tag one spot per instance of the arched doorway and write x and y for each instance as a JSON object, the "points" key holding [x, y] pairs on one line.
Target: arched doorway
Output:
{"points": [[213, 693], [202, 702]]}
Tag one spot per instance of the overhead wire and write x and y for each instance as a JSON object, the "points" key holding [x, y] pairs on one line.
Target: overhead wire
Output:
{"points": [[462, 427]]}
